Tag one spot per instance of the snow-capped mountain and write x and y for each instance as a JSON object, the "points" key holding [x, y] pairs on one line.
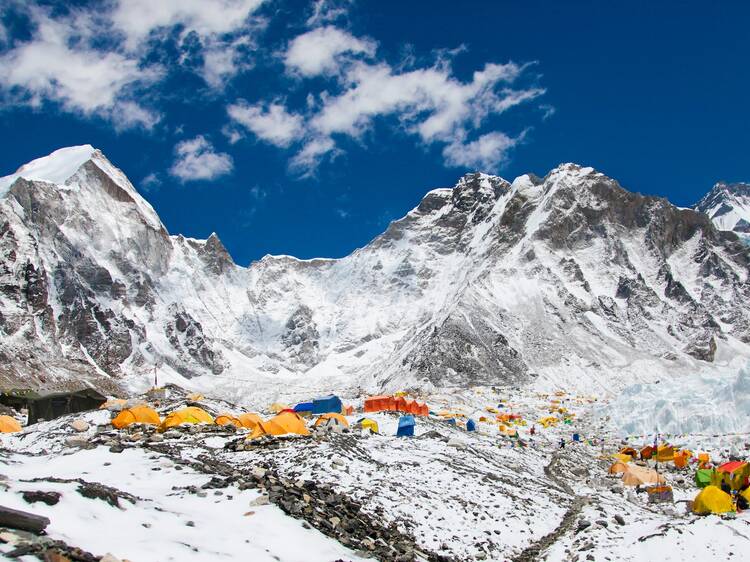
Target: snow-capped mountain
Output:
{"points": [[728, 206], [567, 278]]}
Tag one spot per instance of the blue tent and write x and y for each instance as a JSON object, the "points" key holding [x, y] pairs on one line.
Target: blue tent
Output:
{"points": [[451, 421], [406, 426], [304, 407], [471, 425], [327, 404], [576, 437]]}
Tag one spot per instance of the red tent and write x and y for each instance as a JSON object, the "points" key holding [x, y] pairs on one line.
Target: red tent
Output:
{"points": [[730, 467]]}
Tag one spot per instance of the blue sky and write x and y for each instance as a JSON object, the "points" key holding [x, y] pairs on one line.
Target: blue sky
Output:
{"points": [[303, 128]]}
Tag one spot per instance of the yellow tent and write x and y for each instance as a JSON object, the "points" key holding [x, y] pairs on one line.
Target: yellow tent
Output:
{"points": [[367, 423], [746, 494], [622, 457], [331, 419], [194, 397], [548, 421], [640, 476], [664, 453], [276, 407], [226, 419], [9, 425], [249, 420], [137, 414], [712, 499], [190, 414], [280, 424]]}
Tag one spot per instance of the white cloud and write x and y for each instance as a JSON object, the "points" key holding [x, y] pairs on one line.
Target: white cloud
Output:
{"points": [[196, 159], [60, 65], [307, 160], [150, 182], [485, 153], [271, 123], [318, 51], [328, 11], [138, 19]]}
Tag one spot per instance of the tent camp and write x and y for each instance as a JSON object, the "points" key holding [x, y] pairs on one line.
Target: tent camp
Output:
{"points": [[640, 476], [191, 414], [406, 426], [332, 421], [51, 405], [712, 499], [326, 404], [281, 424], [367, 423], [471, 425], [137, 414], [397, 404], [9, 425]]}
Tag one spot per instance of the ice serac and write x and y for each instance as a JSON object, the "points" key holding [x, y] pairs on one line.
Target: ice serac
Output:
{"points": [[568, 279], [728, 206]]}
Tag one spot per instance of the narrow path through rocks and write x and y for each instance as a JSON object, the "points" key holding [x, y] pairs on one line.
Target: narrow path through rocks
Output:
{"points": [[534, 551]]}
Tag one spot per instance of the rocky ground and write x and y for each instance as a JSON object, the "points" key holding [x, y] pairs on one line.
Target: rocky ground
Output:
{"points": [[206, 492]]}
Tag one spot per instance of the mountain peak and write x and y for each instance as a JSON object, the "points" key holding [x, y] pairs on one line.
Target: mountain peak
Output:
{"points": [[56, 167], [727, 205]]}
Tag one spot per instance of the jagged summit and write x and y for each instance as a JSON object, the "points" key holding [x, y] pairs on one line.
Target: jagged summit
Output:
{"points": [[568, 279], [728, 206]]}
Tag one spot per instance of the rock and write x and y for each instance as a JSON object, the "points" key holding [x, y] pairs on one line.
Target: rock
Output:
{"points": [[80, 425], [50, 498], [335, 521], [602, 523], [9, 538], [582, 525], [260, 500], [190, 524], [619, 519], [109, 558], [337, 462], [116, 449], [156, 438], [77, 441], [258, 472], [456, 443]]}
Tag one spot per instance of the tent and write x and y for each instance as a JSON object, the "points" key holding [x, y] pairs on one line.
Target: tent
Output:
{"points": [[660, 494], [406, 426], [471, 425], [114, 404], [397, 404], [249, 420], [281, 424], [629, 451], [226, 419], [618, 467], [191, 414], [622, 458], [682, 458], [326, 404], [640, 476], [137, 414], [51, 405], [195, 397], [332, 420], [712, 499], [734, 473], [704, 477], [647, 452], [379, 403], [9, 425], [664, 453], [703, 459], [450, 421], [303, 407], [367, 423]]}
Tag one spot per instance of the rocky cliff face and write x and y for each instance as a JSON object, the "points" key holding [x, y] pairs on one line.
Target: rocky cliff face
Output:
{"points": [[568, 277], [728, 206]]}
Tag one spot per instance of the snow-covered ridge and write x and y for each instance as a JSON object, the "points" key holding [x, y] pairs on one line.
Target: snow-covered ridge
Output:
{"points": [[728, 206], [564, 280]]}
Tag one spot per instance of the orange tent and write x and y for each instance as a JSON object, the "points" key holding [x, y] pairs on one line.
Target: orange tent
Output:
{"points": [[629, 451], [9, 425], [397, 404], [326, 419], [226, 419], [647, 452], [249, 420], [137, 414], [281, 424], [379, 403], [703, 459], [664, 453], [682, 458]]}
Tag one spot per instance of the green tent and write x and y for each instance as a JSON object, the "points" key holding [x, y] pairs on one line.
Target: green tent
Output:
{"points": [[703, 477]]}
